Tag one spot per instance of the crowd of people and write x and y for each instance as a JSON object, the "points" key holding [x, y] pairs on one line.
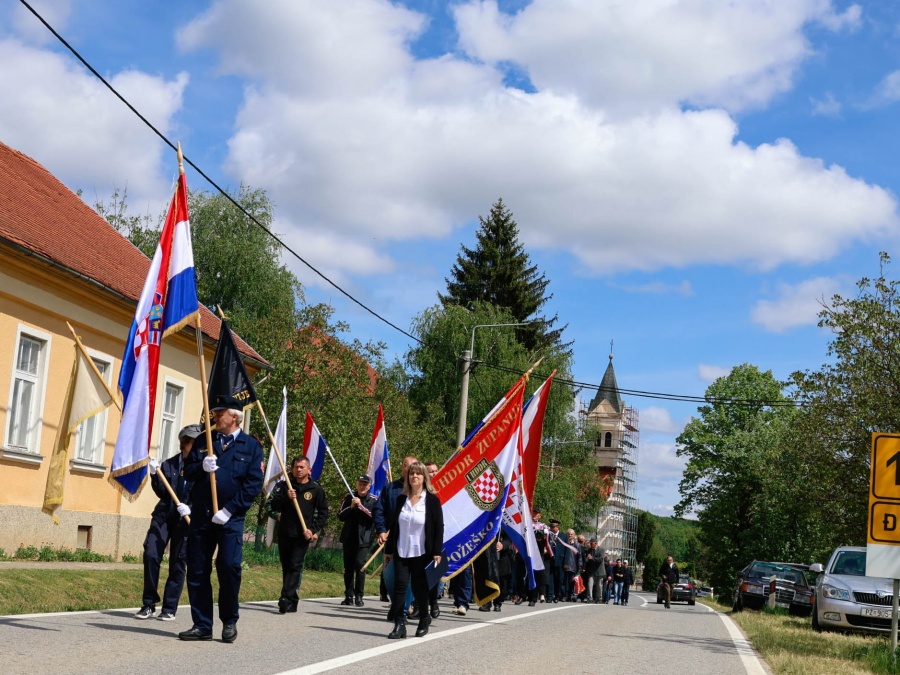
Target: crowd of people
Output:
{"points": [[195, 519]]}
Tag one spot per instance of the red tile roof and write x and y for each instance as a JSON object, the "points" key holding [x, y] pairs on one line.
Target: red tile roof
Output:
{"points": [[44, 217]]}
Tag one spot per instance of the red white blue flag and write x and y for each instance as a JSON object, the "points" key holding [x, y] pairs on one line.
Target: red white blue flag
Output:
{"points": [[532, 434], [379, 466], [167, 303], [474, 485], [314, 447]]}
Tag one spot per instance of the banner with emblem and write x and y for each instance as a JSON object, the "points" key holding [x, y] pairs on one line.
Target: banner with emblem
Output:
{"points": [[167, 303], [473, 487]]}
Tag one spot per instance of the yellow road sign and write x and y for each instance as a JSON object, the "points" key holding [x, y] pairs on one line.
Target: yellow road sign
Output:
{"points": [[884, 491]]}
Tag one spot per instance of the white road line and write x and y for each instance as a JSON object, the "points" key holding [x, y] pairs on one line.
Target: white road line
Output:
{"points": [[340, 661], [745, 650]]}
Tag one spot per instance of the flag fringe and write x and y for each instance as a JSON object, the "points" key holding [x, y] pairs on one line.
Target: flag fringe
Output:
{"points": [[190, 318], [126, 470]]}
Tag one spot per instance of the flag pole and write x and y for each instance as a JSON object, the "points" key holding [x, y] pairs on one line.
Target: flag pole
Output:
{"points": [[262, 413], [375, 571], [115, 399], [203, 385], [336, 466], [374, 555]]}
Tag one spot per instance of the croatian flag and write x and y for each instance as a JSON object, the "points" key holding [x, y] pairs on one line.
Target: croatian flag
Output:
{"points": [[532, 433], [273, 466], [167, 303], [518, 525], [314, 446], [474, 485], [379, 467]]}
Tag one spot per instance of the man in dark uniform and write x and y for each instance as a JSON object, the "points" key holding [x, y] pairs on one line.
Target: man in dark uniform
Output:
{"points": [[167, 526], [237, 462], [356, 538], [293, 539]]}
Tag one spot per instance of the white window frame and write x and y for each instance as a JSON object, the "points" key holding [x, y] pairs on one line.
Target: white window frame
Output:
{"points": [[175, 418], [96, 462], [32, 453]]}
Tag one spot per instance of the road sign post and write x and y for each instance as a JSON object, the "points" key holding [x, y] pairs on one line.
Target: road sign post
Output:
{"points": [[883, 532]]}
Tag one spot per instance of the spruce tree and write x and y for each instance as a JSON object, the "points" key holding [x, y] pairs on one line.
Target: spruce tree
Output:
{"points": [[498, 271]]}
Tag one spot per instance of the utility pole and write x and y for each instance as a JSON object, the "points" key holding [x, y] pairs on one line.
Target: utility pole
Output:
{"points": [[466, 361]]}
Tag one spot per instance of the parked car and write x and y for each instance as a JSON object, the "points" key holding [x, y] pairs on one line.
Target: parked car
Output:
{"points": [[684, 591], [704, 591], [846, 599], [792, 590]]}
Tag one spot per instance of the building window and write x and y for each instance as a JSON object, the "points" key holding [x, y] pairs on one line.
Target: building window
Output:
{"points": [[607, 442], [26, 392], [171, 421], [92, 432]]}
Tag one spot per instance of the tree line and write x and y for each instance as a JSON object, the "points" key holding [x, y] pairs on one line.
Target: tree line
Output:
{"points": [[342, 380]]}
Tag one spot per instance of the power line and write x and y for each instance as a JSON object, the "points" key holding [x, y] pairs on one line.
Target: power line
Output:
{"points": [[165, 139]]}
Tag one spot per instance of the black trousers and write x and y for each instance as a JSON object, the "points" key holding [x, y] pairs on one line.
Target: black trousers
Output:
{"points": [[292, 553], [410, 571], [504, 580], [354, 577], [174, 533]]}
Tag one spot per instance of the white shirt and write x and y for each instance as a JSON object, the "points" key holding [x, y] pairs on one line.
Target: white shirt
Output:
{"points": [[411, 541]]}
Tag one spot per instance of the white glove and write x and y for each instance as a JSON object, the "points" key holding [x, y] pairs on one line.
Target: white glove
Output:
{"points": [[222, 516], [183, 510], [154, 466], [210, 463]]}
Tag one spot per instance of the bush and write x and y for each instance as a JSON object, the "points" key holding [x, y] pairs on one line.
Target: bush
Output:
{"points": [[49, 554], [132, 558], [26, 553], [319, 559]]}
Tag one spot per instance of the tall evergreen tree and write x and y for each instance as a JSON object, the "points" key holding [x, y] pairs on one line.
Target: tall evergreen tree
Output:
{"points": [[498, 271]]}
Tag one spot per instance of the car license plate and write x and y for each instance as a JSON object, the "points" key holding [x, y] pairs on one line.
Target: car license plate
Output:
{"points": [[783, 605], [877, 613]]}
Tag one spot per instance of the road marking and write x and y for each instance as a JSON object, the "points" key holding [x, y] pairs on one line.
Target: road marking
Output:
{"points": [[340, 661], [745, 650]]}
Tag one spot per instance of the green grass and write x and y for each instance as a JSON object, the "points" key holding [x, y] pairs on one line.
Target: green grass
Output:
{"points": [[31, 591], [791, 647]]}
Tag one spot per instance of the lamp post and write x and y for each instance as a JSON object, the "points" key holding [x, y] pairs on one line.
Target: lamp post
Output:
{"points": [[466, 359]]}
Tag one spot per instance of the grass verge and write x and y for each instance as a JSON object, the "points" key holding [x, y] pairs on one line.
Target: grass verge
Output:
{"points": [[791, 647], [25, 591]]}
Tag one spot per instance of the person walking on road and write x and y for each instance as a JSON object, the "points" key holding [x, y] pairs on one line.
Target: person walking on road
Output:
{"points": [[356, 537], [168, 527], [668, 574], [627, 581], [293, 540], [618, 581]]}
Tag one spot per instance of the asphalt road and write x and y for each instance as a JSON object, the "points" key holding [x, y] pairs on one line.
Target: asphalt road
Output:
{"points": [[324, 636]]}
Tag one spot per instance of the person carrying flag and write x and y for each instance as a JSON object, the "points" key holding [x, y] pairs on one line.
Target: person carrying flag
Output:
{"points": [[356, 538], [168, 528], [293, 540], [237, 462]]}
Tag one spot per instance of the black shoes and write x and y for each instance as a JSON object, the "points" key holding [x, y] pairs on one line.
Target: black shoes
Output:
{"points": [[531, 603], [519, 601], [347, 601], [292, 607], [229, 633], [358, 601], [435, 611], [399, 632], [422, 628], [485, 608], [413, 612], [145, 612], [383, 598], [195, 634], [283, 605], [496, 608]]}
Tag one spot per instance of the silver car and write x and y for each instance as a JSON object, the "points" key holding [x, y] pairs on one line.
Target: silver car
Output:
{"points": [[846, 599]]}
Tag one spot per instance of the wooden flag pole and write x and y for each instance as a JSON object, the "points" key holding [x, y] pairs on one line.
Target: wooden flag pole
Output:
{"points": [[115, 399], [280, 461], [374, 555], [376, 571], [208, 430]]}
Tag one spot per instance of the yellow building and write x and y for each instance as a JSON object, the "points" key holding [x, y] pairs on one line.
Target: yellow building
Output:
{"points": [[59, 262]]}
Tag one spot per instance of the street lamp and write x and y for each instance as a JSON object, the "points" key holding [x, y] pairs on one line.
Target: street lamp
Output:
{"points": [[466, 358]]}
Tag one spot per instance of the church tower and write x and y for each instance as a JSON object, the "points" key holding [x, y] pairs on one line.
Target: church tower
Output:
{"points": [[615, 429]]}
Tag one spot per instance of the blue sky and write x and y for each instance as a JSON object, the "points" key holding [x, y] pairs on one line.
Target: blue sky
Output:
{"points": [[693, 176]]}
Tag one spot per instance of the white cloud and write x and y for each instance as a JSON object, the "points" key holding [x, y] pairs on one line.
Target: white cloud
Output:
{"points": [[709, 373], [648, 54], [28, 27], [850, 18], [658, 463], [355, 138], [683, 288], [827, 107], [66, 119], [795, 304], [659, 420], [888, 90]]}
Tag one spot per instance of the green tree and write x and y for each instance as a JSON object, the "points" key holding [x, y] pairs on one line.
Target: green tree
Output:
{"points": [[731, 450], [646, 531], [499, 272]]}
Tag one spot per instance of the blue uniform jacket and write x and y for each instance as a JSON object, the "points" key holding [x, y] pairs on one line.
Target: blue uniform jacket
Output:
{"points": [[239, 478], [171, 468]]}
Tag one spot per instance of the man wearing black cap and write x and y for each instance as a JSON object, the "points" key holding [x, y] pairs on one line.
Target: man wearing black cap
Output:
{"points": [[293, 539], [555, 589], [356, 537], [168, 527], [237, 462]]}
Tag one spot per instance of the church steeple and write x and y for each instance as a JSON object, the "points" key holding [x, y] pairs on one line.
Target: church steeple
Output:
{"points": [[609, 389]]}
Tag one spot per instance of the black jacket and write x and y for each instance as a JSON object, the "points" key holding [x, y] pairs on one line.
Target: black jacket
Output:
{"points": [[313, 506], [359, 524], [434, 526], [669, 573]]}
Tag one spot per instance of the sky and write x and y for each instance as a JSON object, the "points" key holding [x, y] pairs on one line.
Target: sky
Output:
{"points": [[694, 177]]}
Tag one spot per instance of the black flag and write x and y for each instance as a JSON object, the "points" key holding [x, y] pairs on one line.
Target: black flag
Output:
{"points": [[229, 379]]}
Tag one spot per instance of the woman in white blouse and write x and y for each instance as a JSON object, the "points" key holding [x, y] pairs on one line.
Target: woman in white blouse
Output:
{"points": [[415, 539]]}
